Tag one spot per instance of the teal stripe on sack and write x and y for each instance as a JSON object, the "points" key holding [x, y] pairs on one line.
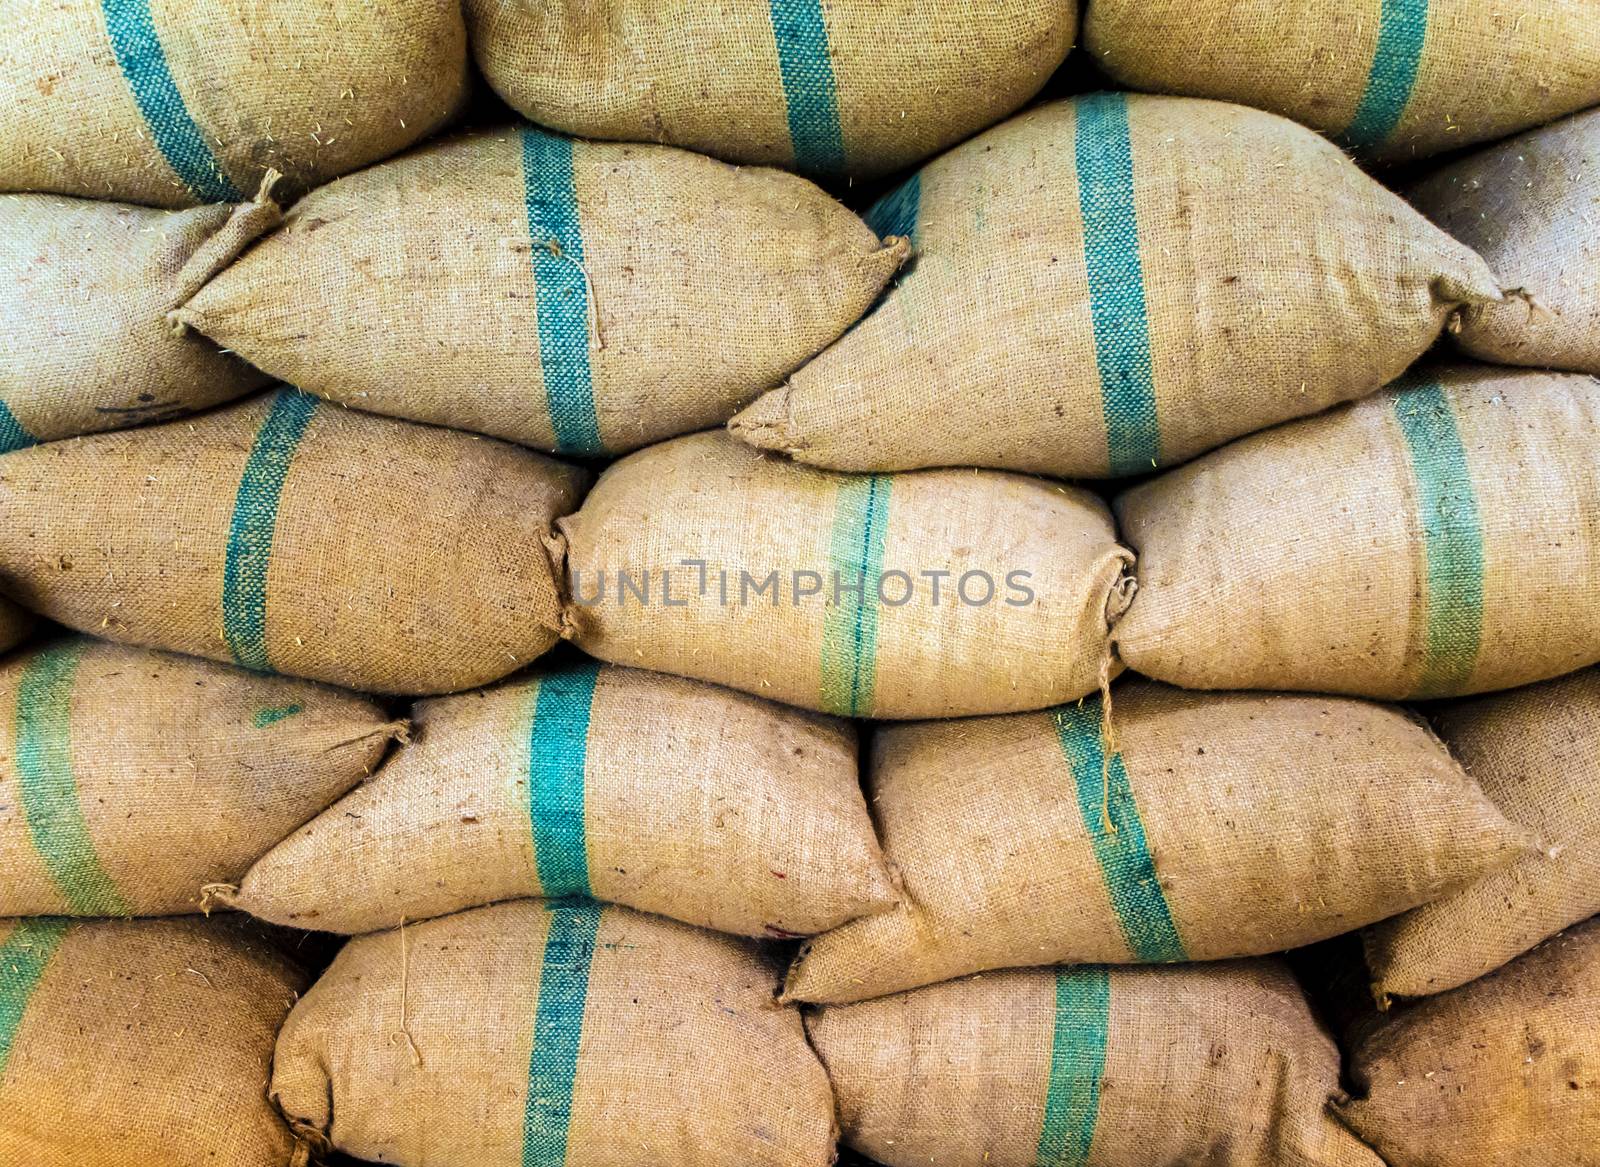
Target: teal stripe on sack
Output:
{"points": [[49, 787], [254, 525], [12, 435], [561, 291], [1104, 793], [557, 1032], [144, 64], [896, 213], [850, 627], [1116, 283], [1402, 29], [1452, 535], [24, 957], [809, 88], [1077, 1066], [558, 752]]}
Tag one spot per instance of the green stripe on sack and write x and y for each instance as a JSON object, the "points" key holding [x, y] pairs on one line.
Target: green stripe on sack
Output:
{"points": [[850, 627], [1077, 1066], [558, 751], [143, 61], [24, 957], [255, 524], [558, 1032], [1452, 537], [1111, 816], [1104, 158], [49, 788], [896, 213], [810, 90], [12, 435], [1402, 29]]}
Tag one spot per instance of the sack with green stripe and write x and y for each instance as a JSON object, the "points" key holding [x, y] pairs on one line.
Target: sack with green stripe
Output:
{"points": [[583, 297], [1390, 79], [1436, 540], [16, 625], [1019, 840], [935, 594], [1113, 283], [141, 1042], [294, 537], [559, 1034], [1090, 1067], [860, 88], [172, 104], [130, 779]]}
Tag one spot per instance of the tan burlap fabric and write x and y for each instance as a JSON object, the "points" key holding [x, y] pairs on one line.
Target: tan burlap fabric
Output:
{"points": [[1387, 549], [641, 1040], [874, 87], [1438, 75], [16, 624], [429, 288], [207, 97], [1536, 752], [305, 539], [1219, 1064], [712, 499], [141, 1042], [1499, 1073]]}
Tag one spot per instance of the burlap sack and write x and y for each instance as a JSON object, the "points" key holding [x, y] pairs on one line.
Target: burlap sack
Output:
{"points": [[1527, 206], [131, 779], [16, 625], [855, 89], [1436, 540], [140, 1042], [589, 298], [1536, 752], [1114, 283], [295, 538], [1020, 842], [704, 522], [1500, 1073], [174, 103], [549, 1033], [1093, 1067], [1392, 79]]}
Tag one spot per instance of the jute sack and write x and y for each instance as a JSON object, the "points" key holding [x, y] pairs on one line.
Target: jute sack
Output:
{"points": [[16, 625], [706, 523], [1386, 549], [172, 103], [859, 87], [296, 538], [131, 779], [140, 1041], [1114, 283], [1019, 841], [1090, 1066], [84, 291], [548, 1033], [1527, 206], [1392, 79], [590, 298], [1536, 752], [1500, 1073]]}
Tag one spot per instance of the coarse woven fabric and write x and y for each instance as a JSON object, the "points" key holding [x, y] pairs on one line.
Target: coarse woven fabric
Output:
{"points": [[1089, 1067], [1394, 79], [1528, 207], [131, 779], [1383, 550], [172, 104], [707, 498], [672, 796], [295, 538], [140, 1041], [858, 87], [16, 624], [1503, 1072], [1019, 842], [1114, 283], [84, 291], [537, 1034], [1536, 753], [586, 298]]}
